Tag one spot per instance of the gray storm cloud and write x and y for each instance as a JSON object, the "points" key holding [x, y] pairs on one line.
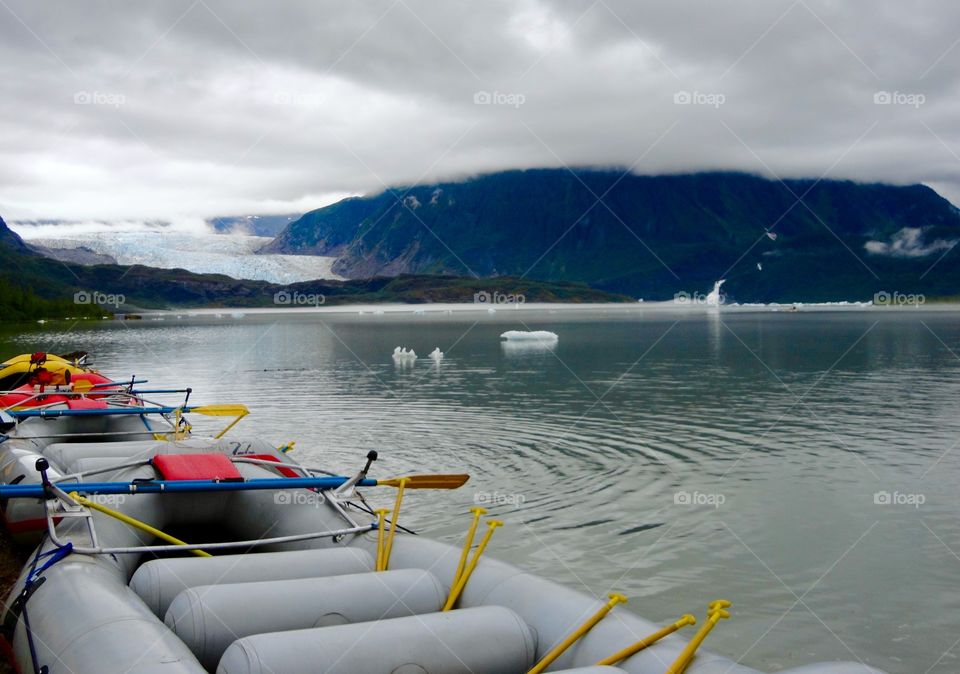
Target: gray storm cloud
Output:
{"points": [[183, 110]]}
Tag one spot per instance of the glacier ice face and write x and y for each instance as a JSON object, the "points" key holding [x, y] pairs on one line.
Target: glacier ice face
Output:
{"points": [[229, 254]]}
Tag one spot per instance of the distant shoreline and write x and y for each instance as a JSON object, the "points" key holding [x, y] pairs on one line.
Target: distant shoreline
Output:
{"points": [[480, 311], [442, 309]]}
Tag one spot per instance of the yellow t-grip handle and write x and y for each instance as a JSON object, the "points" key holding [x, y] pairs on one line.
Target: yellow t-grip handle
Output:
{"points": [[461, 582], [558, 650], [468, 543], [716, 611], [717, 605], [685, 620], [381, 524]]}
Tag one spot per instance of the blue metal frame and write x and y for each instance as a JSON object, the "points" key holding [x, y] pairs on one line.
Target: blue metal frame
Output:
{"points": [[180, 486]]}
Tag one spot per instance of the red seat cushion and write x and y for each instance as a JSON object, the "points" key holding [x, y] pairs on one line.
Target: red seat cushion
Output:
{"points": [[195, 467]]}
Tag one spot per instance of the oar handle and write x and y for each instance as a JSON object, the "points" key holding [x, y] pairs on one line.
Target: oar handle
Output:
{"points": [[381, 521], [716, 611], [461, 582], [468, 543]]}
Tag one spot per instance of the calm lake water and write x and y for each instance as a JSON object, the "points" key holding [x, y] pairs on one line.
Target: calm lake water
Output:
{"points": [[803, 465]]}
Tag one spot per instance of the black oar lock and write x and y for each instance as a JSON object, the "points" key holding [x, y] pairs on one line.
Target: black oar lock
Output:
{"points": [[371, 457], [42, 466]]}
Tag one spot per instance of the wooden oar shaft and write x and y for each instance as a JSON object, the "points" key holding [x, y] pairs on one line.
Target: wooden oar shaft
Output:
{"points": [[427, 481]]}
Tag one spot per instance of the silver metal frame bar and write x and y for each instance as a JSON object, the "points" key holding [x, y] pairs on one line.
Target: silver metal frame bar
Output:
{"points": [[70, 508], [97, 550]]}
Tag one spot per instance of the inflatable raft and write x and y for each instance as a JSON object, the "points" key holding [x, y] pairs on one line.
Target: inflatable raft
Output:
{"points": [[161, 551]]}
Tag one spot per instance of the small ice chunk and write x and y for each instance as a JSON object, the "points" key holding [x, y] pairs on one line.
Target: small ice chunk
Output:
{"points": [[436, 355], [405, 355], [534, 335]]}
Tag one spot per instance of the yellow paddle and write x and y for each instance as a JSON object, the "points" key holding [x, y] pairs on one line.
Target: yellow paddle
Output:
{"points": [[220, 410], [427, 481], [235, 410]]}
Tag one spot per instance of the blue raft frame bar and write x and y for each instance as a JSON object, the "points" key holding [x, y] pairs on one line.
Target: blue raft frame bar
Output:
{"points": [[53, 413], [180, 486]]}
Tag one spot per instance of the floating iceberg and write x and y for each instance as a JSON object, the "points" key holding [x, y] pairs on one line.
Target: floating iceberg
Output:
{"points": [[404, 359], [436, 355], [529, 335]]}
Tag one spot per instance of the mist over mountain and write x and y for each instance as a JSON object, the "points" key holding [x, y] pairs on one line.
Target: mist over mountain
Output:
{"points": [[648, 236], [253, 225]]}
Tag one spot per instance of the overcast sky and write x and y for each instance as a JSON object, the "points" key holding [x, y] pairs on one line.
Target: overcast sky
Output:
{"points": [[179, 110]]}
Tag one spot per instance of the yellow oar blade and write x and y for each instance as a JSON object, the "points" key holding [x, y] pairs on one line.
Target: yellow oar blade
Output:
{"points": [[428, 481], [236, 411], [221, 410]]}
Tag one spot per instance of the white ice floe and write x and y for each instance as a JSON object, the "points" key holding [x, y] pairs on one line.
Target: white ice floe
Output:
{"points": [[404, 355], [529, 335], [776, 306], [524, 343], [436, 355]]}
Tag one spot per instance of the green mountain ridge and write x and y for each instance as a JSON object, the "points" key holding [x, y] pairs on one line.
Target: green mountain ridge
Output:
{"points": [[648, 236]]}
